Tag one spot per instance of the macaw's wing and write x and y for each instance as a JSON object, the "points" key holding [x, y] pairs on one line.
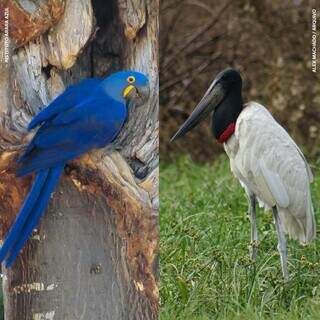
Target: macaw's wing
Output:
{"points": [[72, 96], [94, 123]]}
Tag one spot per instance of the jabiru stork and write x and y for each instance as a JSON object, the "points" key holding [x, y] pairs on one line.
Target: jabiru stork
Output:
{"points": [[263, 157]]}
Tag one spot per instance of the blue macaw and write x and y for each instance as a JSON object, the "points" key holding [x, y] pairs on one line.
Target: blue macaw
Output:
{"points": [[87, 115]]}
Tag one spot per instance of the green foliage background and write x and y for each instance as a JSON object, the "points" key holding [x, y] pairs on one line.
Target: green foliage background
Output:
{"points": [[206, 272]]}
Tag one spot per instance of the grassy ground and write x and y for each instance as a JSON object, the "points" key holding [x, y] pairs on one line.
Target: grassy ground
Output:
{"points": [[1, 303], [206, 272]]}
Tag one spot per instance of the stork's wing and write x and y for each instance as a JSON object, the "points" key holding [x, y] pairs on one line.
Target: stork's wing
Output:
{"points": [[269, 159], [273, 182], [270, 165], [72, 96], [310, 175]]}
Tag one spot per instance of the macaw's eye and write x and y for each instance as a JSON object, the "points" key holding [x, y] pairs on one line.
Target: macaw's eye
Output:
{"points": [[131, 79]]}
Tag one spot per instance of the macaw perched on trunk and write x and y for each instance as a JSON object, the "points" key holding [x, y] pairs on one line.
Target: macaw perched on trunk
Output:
{"points": [[85, 116]]}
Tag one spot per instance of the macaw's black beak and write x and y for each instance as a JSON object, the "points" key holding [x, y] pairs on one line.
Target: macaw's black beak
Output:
{"points": [[208, 103], [139, 95], [143, 93]]}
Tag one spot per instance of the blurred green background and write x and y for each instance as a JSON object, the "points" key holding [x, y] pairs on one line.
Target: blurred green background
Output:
{"points": [[206, 272]]}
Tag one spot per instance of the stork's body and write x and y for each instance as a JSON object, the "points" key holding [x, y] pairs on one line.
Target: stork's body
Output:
{"points": [[272, 169], [264, 158], [271, 166]]}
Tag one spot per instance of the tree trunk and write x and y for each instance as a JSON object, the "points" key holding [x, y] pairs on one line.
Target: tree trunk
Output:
{"points": [[94, 254]]}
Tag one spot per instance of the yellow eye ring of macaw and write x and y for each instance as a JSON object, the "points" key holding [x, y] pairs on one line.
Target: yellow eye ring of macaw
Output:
{"points": [[129, 88]]}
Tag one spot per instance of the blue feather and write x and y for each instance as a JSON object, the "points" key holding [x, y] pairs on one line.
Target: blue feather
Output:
{"points": [[87, 115], [43, 159], [52, 180], [92, 124], [24, 213], [72, 96]]}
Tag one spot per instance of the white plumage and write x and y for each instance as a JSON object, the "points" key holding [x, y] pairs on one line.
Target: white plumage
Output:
{"points": [[267, 162], [270, 165]]}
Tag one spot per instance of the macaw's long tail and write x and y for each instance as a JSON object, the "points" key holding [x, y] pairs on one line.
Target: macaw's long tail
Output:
{"points": [[30, 213]]}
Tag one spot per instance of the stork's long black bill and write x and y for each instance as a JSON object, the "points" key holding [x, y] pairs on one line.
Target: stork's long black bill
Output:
{"points": [[208, 103]]}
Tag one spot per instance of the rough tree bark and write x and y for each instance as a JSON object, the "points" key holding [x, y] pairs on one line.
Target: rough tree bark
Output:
{"points": [[94, 255]]}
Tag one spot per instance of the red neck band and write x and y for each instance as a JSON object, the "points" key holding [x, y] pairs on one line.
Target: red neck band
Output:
{"points": [[227, 133]]}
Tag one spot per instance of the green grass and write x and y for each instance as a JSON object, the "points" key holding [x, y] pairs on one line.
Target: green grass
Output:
{"points": [[206, 272]]}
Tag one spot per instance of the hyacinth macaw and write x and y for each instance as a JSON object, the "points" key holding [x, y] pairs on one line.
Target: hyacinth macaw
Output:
{"points": [[87, 115]]}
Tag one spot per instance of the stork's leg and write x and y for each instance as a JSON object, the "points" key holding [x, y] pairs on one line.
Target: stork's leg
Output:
{"points": [[282, 247], [254, 230]]}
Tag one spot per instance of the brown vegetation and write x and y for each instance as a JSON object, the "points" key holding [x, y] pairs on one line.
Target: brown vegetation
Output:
{"points": [[268, 41]]}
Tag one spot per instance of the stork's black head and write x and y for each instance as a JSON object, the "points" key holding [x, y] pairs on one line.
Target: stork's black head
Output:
{"points": [[223, 98], [230, 79]]}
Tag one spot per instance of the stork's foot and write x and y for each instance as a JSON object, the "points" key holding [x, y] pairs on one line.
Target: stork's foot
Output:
{"points": [[282, 246], [283, 259], [254, 231], [254, 249]]}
